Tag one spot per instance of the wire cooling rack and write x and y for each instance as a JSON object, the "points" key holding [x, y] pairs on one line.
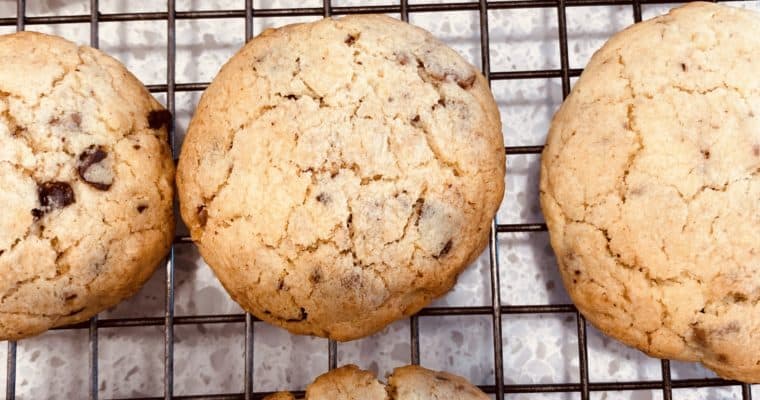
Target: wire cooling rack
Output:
{"points": [[583, 388]]}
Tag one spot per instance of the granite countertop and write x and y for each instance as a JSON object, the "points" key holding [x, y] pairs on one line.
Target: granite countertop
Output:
{"points": [[209, 358]]}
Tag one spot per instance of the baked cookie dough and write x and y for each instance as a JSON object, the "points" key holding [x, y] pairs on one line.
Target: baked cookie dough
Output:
{"points": [[650, 185], [406, 383], [86, 177], [339, 175]]}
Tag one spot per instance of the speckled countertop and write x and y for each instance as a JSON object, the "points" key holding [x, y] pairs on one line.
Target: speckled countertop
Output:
{"points": [[209, 358]]}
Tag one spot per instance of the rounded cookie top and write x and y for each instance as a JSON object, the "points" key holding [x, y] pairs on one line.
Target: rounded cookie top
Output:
{"points": [[344, 383], [405, 383], [650, 184], [339, 175], [87, 183], [413, 382]]}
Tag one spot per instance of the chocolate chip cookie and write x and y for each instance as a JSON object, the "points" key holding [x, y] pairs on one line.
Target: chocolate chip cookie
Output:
{"points": [[650, 186], [86, 177], [406, 383], [339, 175]]}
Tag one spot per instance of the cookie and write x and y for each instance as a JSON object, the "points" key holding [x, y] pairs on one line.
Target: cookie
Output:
{"points": [[347, 382], [650, 185], [406, 383], [339, 175], [416, 383], [86, 176]]}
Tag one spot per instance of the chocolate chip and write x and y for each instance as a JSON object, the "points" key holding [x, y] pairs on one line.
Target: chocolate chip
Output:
{"points": [[323, 198], [316, 276], [700, 335], [141, 208], [466, 83], [291, 97], [1, 252], [351, 39], [418, 210], [684, 68], [76, 118], [37, 213], [159, 118], [53, 195], [445, 250], [402, 58], [92, 168], [706, 154], [136, 146], [202, 215]]}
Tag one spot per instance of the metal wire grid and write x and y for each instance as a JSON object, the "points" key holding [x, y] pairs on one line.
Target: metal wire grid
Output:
{"points": [[495, 310]]}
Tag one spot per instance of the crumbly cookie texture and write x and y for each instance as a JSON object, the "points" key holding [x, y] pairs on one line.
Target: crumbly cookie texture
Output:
{"points": [[339, 175], [406, 383], [650, 186], [86, 177]]}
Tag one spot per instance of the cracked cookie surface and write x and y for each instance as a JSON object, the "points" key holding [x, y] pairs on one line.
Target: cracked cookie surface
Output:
{"points": [[405, 383], [650, 185], [339, 175], [86, 184]]}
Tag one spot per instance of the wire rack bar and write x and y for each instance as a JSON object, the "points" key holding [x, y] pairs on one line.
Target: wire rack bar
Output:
{"points": [[414, 340], [493, 241], [171, 44], [319, 11], [241, 318]]}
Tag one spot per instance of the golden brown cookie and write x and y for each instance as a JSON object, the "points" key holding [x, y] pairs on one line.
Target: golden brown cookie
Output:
{"points": [[87, 183], [406, 383], [650, 185], [339, 175]]}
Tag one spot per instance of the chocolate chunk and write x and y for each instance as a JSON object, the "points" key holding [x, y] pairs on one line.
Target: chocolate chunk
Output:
{"points": [[37, 213], [159, 118], [323, 198], [445, 250], [92, 168], [141, 208], [351, 39], [418, 210], [316, 276], [76, 118], [54, 195], [700, 335], [202, 215]]}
